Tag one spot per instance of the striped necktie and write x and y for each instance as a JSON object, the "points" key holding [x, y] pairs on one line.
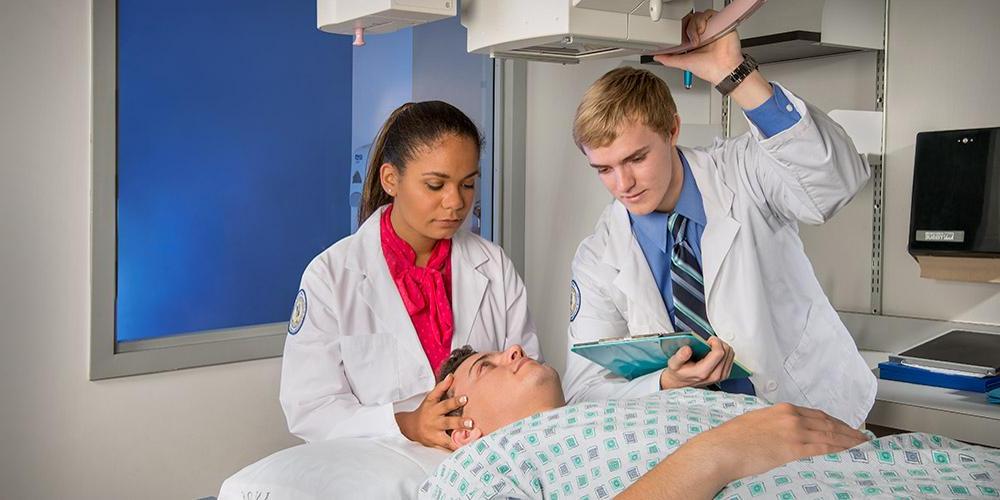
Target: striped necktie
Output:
{"points": [[688, 283], [689, 295]]}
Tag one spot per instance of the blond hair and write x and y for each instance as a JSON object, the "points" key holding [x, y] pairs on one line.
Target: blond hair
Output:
{"points": [[623, 95]]}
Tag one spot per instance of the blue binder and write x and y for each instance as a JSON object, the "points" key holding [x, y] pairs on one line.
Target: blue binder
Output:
{"points": [[892, 370]]}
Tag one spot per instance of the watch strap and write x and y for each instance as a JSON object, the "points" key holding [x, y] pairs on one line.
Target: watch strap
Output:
{"points": [[729, 83]]}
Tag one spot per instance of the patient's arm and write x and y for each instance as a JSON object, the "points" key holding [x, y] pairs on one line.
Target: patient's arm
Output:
{"points": [[749, 444]]}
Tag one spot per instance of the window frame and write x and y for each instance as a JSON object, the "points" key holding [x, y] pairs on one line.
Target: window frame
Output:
{"points": [[110, 358]]}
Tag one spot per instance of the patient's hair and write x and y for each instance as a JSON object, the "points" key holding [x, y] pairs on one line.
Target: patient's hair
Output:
{"points": [[410, 129], [620, 96], [457, 357]]}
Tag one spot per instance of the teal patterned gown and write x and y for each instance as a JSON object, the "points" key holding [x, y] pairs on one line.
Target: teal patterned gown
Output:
{"points": [[593, 451]]}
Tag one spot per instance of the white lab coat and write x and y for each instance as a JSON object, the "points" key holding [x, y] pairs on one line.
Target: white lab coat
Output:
{"points": [[356, 359], [762, 296]]}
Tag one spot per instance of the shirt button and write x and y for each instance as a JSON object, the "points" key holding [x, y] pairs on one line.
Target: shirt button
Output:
{"points": [[789, 108], [771, 386]]}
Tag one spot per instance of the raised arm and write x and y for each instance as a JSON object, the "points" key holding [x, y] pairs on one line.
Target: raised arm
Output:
{"points": [[797, 163]]}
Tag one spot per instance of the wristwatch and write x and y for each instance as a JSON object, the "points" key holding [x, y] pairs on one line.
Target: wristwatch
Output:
{"points": [[729, 83]]}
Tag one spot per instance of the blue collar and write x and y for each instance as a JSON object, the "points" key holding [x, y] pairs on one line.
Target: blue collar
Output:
{"points": [[653, 226]]}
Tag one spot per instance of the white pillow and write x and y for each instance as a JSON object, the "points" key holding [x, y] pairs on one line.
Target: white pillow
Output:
{"points": [[369, 468]]}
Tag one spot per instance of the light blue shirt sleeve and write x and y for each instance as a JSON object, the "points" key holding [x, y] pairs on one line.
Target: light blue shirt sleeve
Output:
{"points": [[776, 115]]}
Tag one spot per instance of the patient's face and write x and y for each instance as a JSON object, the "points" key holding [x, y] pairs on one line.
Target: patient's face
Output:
{"points": [[504, 387]]}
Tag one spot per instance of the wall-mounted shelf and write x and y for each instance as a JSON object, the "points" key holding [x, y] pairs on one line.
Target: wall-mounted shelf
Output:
{"points": [[787, 46], [792, 45]]}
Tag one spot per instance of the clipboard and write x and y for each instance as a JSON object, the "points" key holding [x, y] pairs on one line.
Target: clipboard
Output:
{"points": [[718, 26], [635, 356]]}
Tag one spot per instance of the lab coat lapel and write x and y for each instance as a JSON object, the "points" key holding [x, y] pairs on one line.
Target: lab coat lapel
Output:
{"points": [[721, 228], [379, 292], [634, 278], [468, 285]]}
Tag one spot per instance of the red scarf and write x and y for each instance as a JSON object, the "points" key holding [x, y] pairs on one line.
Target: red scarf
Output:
{"points": [[426, 291]]}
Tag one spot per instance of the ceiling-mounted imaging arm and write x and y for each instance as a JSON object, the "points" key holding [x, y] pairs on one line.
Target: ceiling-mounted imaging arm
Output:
{"points": [[546, 30]]}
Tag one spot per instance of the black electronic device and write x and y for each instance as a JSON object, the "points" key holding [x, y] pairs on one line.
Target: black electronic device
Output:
{"points": [[955, 208], [976, 353]]}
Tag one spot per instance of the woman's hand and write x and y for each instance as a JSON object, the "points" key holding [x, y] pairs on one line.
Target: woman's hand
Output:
{"points": [[428, 424], [712, 369]]}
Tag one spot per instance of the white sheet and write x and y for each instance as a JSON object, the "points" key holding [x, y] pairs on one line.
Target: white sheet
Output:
{"points": [[389, 468]]}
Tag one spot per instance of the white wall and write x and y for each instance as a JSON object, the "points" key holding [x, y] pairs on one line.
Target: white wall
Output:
{"points": [[171, 435], [942, 75]]}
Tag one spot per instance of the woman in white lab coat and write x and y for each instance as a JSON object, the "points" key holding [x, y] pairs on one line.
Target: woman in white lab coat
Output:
{"points": [[380, 310]]}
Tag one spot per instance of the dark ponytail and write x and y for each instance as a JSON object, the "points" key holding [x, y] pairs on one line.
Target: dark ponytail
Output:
{"points": [[410, 128]]}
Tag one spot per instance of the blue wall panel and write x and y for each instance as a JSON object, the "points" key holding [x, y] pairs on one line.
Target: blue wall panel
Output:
{"points": [[234, 130]]}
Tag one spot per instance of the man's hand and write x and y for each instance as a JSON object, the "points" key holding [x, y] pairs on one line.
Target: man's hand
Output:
{"points": [[428, 424], [717, 60], [753, 443], [714, 61], [761, 440], [712, 369]]}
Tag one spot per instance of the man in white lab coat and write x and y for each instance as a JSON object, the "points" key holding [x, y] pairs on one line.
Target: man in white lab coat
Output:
{"points": [[706, 240]]}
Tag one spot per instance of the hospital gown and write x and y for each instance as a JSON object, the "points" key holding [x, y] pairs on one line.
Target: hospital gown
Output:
{"points": [[595, 450]]}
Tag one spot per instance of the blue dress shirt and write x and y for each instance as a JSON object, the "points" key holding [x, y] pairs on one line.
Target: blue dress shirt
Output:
{"points": [[774, 116]]}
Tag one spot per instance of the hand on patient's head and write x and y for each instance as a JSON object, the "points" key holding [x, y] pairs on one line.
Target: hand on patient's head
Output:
{"points": [[502, 388], [433, 421]]}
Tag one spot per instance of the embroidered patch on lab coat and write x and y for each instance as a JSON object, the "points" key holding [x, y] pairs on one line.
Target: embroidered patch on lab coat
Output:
{"points": [[574, 300], [298, 313]]}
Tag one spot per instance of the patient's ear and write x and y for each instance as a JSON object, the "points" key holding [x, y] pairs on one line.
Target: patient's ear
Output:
{"points": [[462, 437]]}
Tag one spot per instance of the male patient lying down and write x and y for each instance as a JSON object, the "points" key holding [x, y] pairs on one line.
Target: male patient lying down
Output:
{"points": [[687, 443]]}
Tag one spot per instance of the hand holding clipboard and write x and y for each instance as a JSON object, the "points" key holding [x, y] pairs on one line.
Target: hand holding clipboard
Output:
{"points": [[632, 357]]}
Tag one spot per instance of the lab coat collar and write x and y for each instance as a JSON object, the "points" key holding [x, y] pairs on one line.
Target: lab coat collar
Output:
{"points": [[689, 202], [720, 226], [653, 226], [624, 254], [634, 278], [379, 292], [468, 285]]}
